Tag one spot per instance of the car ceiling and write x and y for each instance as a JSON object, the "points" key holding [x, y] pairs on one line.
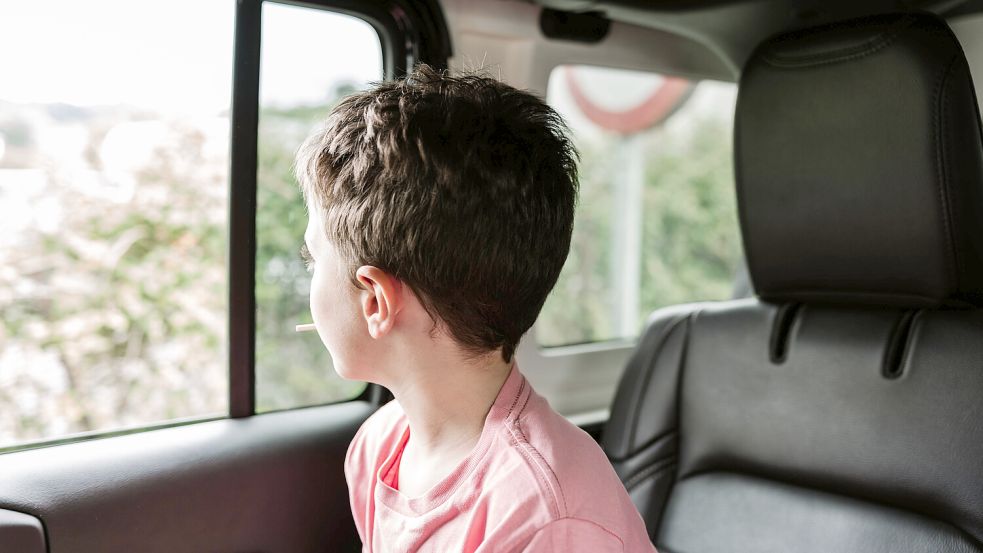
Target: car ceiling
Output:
{"points": [[732, 28]]}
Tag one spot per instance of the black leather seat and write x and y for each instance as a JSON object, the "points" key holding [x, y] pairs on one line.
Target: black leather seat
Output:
{"points": [[842, 409]]}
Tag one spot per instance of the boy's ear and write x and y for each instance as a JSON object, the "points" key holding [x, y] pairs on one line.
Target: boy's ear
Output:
{"points": [[380, 298]]}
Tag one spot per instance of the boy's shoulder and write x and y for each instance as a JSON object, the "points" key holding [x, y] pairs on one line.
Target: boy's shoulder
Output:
{"points": [[566, 455], [570, 470]]}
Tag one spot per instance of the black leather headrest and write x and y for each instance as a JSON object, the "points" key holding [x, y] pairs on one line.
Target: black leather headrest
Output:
{"points": [[859, 165]]}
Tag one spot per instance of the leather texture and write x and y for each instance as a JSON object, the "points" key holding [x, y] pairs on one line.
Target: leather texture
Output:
{"points": [[858, 166], [843, 409], [703, 395], [272, 483], [21, 533], [711, 513]]}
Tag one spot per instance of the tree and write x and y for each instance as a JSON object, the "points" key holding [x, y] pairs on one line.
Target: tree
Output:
{"points": [[691, 245]]}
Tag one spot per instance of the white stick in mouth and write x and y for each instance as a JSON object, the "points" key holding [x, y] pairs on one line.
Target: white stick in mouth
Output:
{"points": [[305, 327]]}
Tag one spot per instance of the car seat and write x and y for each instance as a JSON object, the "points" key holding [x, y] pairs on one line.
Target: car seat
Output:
{"points": [[840, 410]]}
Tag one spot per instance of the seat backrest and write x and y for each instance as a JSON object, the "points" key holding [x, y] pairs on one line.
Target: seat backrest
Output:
{"points": [[841, 409]]}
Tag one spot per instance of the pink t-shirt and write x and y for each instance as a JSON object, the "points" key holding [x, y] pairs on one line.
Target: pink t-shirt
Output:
{"points": [[533, 483]]}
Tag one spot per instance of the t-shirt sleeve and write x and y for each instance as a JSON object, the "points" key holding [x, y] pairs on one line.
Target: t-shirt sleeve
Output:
{"points": [[574, 535]]}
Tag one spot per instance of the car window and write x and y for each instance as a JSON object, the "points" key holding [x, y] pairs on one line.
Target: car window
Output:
{"points": [[113, 200], [114, 210], [657, 221]]}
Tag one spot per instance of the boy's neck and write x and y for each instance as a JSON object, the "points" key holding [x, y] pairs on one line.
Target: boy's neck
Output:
{"points": [[446, 400]]}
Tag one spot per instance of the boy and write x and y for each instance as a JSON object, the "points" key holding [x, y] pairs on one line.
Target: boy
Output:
{"points": [[441, 210]]}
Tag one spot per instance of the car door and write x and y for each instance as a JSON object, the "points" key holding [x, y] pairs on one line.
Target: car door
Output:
{"points": [[154, 395]]}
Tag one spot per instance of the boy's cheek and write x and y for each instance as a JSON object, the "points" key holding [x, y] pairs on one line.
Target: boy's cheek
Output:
{"points": [[320, 314], [338, 326]]}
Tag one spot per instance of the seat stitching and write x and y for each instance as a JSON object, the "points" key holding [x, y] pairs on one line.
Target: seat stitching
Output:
{"points": [[938, 116], [950, 190], [830, 292], [649, 368], [658, 438], [844, 54], [651, 469], [679, 383]]}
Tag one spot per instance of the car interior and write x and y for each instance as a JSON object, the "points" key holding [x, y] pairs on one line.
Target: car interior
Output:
{"points": [[831, 402]]}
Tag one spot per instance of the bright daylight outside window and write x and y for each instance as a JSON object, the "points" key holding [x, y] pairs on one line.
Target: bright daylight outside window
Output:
{"points": [[310, 59], [114, 126], [657, 221]]}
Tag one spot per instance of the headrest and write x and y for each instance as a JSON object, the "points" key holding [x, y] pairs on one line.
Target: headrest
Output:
{"points": [[859, 166]]}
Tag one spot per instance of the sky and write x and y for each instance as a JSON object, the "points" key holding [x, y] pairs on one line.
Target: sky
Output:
{"points": [[175, 55]]}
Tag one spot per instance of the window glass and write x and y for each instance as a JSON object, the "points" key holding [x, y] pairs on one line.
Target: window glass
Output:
{"points": [[657, 221], [310, 59], [114, 128]]}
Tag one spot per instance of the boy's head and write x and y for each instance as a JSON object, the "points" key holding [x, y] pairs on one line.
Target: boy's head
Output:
{"points": [[460, 188]]}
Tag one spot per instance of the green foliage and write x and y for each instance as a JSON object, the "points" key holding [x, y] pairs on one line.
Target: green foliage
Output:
{"points": [[119, 316], [578, 310], [691, 239], [691, 244], [292, 369]]}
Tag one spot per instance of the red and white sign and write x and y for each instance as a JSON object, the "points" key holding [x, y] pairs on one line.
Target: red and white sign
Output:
{"points": [[661, 96]]}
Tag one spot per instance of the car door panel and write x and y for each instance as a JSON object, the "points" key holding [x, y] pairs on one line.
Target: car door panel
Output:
{"points": [[272, 483]]}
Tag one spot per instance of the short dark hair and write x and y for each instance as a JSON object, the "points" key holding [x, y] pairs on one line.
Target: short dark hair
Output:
{"points": [[461, 187]]}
